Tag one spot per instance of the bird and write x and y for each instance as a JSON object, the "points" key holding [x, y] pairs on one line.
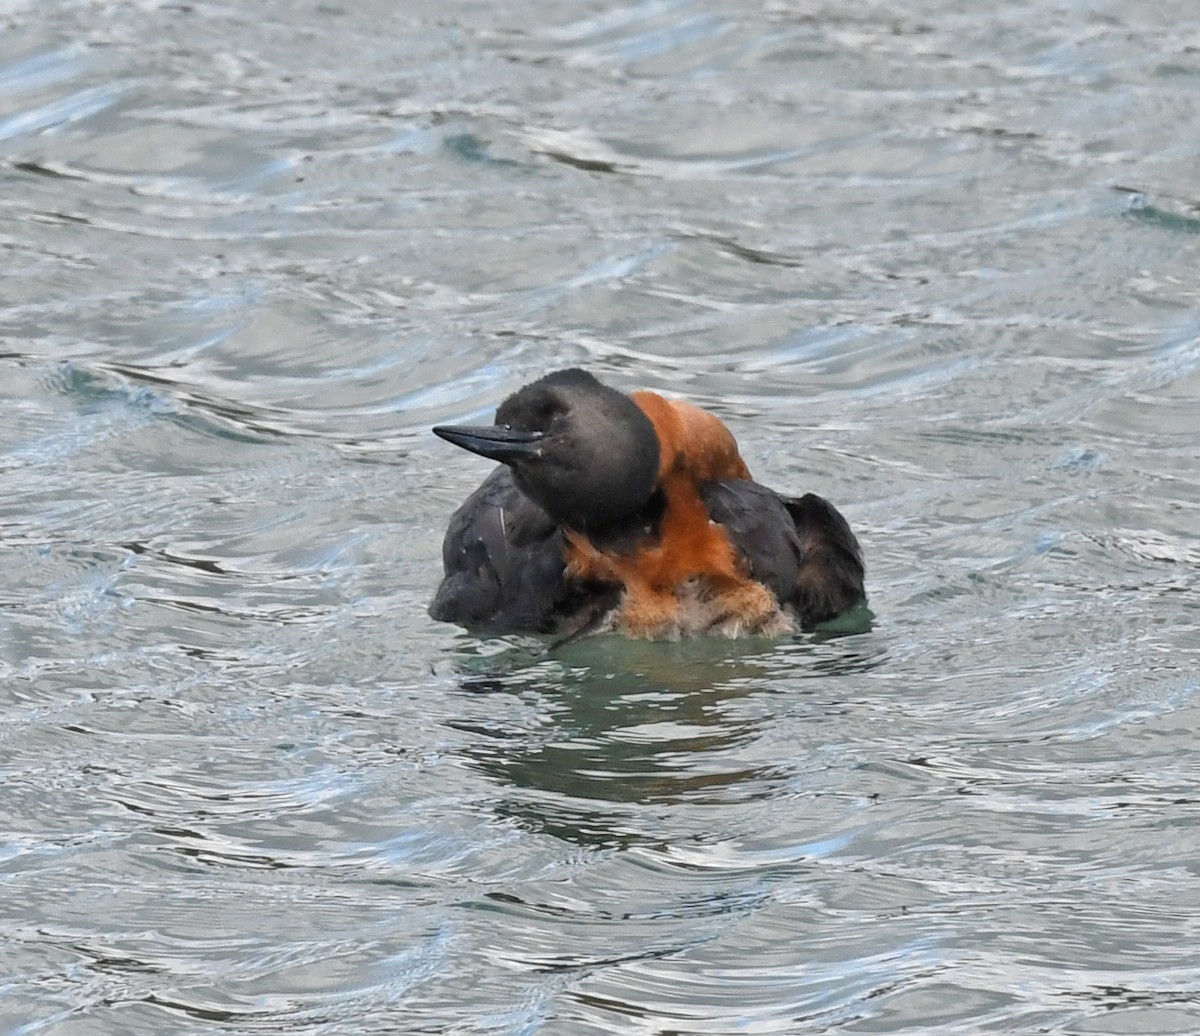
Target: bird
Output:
{"points": [[635, 514]]}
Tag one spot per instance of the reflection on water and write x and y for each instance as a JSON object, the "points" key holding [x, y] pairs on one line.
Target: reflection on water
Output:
{"points": [[610, 738], [639, 724], [934, 263]]}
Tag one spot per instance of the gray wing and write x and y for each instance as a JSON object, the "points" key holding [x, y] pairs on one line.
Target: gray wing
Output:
{"points": [[504, 565], [801, 548]]}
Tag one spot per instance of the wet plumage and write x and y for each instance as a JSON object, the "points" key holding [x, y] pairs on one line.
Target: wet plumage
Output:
{"points": [[634, 513]]}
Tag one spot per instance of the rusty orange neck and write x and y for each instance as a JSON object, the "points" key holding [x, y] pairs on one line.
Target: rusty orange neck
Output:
{"points": [[691, 441]]}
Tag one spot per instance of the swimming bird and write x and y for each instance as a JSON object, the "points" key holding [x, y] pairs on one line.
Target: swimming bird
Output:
{"points": [[633, 513]]}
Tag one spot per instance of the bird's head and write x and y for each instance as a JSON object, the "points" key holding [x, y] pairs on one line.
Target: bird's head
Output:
{"points": [[583, 452]]}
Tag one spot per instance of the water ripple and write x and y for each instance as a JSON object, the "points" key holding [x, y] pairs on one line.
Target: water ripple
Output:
{"points": [[933, 265]]}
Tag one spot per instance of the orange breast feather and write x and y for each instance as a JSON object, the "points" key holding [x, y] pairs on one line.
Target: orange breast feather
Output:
{"points": [[693, 553]]}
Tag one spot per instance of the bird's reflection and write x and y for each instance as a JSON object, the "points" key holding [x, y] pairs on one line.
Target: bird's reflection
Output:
{"points": [[627, 729]]}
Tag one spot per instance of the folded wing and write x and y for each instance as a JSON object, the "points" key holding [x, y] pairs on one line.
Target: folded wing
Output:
{"points": [[800, 547], [504, 566]]}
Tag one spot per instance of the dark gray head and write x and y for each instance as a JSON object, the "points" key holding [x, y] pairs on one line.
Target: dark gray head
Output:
{"points": [[583, 452]]}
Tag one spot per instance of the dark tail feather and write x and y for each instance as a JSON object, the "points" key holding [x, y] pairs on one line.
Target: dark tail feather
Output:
{"points": [[830, 580]]}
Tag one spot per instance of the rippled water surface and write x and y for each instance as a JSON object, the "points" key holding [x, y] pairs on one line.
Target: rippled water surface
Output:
{"points": [[935, 261]]}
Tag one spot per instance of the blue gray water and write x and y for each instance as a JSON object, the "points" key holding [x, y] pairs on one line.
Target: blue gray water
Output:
{"points": [[935, 261]]}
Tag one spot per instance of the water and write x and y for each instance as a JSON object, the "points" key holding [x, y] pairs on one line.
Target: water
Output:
{"points": [[934, 261]]}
